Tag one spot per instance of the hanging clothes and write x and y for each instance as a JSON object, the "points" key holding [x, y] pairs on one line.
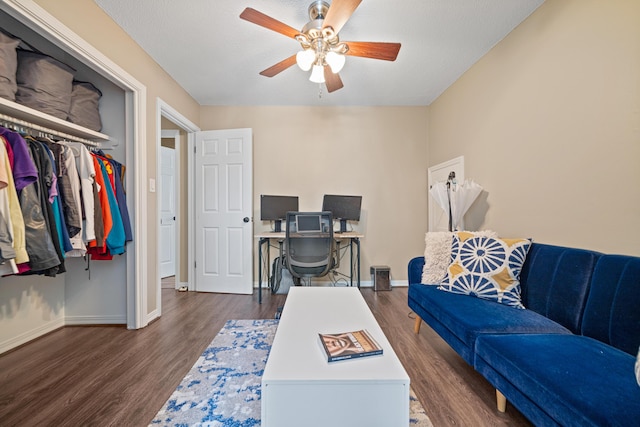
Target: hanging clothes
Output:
{"points": [[58, 214], [65, 174], [7, 251], [102, 201], [15, 214], [86, 174], [58, 200], [117, 170], [115, 240], [23, 168], [45, 181]]}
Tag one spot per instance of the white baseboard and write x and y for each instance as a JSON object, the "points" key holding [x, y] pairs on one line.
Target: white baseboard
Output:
{"points": [[31, 335], [95, 320], [363, 284], [152, 316]]}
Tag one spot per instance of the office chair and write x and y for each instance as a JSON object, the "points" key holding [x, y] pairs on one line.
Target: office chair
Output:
{"points": [[309, 245]]}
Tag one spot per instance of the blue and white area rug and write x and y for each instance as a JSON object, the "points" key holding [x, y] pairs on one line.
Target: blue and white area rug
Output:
{"points": [[222, 389]]}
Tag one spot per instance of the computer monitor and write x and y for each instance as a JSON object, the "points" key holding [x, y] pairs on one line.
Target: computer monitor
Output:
{"points": [[308, 223], [275, 208], [343, 208]]}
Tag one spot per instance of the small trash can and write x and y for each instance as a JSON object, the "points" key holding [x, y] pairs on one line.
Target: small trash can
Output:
{"points": [[380, 277]]}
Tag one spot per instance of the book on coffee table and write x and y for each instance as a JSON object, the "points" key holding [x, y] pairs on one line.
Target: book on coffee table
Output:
{"points": [[349, 345]]}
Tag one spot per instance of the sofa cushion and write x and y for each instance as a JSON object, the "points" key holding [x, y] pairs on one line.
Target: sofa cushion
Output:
{"points": [[612, 312], [466, 318], [486, 267], [576, 380], [555, 282]]}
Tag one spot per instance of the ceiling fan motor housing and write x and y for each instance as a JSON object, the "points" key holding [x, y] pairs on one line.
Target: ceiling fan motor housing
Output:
{"points": [[314, 36], [318, 10]]}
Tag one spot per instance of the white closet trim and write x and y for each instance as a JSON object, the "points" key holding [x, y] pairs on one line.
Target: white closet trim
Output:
{"points": [[28, 12]]}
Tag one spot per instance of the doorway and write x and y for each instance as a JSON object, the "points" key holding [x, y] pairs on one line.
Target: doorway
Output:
{"points": [[169, 170], [438, 219], [178, 128], [186, 279]]}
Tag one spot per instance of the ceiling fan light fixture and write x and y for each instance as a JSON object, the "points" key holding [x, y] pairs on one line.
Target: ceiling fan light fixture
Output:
{"points": [[335, 61], [305, 59], [317, 74]]}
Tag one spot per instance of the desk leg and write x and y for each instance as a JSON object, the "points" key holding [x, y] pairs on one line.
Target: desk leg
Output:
{"points": [[260, 271], [357, 242], [261, 266], [351, 262]]}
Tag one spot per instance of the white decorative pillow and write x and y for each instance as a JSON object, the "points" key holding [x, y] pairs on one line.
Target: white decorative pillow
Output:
{"points": [[486, 267], [437, 254], [638, 367]]}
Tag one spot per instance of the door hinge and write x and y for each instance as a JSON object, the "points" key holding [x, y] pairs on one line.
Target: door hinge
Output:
{"points": [[195, 264], [195, 149]]}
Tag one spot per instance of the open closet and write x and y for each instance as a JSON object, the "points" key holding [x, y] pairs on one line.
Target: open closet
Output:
{"points": [[89, 291]]}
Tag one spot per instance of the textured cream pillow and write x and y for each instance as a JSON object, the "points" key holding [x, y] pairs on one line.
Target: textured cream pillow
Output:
{"points": [[437, 254]]}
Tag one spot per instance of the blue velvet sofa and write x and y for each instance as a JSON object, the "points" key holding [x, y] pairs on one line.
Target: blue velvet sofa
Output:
{"points": [[568, 358]]}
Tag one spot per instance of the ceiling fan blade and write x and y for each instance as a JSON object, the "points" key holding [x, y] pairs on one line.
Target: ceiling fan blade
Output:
{"points": [[268, 22], [332, 81], [339, 13], [279, 67], [375, 50]]}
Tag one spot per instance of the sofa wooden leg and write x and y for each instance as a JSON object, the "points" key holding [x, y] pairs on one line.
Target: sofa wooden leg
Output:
{"points": [[416, 325], [502, 401]]}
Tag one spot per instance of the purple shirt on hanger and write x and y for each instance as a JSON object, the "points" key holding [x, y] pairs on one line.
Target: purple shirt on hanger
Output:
{"points": [[24, 170]]}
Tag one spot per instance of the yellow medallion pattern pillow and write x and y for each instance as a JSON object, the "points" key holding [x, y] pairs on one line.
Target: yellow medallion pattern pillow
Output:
{"points": [[486, 267]]}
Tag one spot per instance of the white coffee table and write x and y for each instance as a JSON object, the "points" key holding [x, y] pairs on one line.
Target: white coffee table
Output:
{"points": [[299, 386]]}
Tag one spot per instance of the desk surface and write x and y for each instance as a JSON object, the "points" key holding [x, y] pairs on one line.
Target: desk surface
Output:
{"points": [[282, 235]]}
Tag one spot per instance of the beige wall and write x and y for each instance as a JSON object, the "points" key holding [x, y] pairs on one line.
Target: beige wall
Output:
{"points": [[549, 124], [376, 152], [92, 24]]}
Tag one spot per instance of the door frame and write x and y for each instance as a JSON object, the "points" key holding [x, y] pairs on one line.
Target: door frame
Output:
{"points": [[163, 109], [175, 135]]}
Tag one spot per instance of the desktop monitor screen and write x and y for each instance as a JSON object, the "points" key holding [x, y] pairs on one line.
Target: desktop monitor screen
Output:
{"points": [[343, 207], [275, 208], [308, 223]]}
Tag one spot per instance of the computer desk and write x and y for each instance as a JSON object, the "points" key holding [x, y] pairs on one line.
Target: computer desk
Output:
{"points": [[265, 239]]}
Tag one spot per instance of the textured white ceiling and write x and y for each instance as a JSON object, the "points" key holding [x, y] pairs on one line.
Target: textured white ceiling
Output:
{"points": [[216, 56]]}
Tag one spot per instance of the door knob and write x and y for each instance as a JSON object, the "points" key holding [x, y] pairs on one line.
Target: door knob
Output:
{"points": [[246, 219]]}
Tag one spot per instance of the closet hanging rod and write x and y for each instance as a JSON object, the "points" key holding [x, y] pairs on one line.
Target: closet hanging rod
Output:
{"points": [[8, 121]]}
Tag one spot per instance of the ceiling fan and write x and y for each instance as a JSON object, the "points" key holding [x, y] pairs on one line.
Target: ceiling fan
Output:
{"points": [[322, 51]]}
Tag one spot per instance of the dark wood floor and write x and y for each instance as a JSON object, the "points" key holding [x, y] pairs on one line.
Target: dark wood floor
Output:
{"points": [[110, 376]]}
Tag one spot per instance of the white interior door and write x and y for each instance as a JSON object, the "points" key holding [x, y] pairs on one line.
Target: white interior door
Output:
{"points": [[438, 218], [223, 209], [167, 196]]}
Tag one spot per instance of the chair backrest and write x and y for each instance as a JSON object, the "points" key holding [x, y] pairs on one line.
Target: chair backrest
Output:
{"points": [[309, 245]]}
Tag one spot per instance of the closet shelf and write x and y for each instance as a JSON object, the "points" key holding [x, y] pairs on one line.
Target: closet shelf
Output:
{"points": [[25, 113]]}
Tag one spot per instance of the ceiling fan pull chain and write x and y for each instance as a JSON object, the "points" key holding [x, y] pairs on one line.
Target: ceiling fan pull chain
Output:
{"points": [[319, 90]]}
